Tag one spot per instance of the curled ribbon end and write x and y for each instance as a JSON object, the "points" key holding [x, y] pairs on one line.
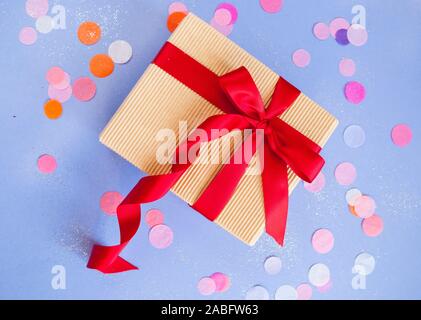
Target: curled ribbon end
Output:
{"points": [[102, 261]]}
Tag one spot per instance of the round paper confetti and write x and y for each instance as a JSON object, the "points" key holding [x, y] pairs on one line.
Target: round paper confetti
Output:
{"points": [[161, 236], [352, 210], [154, 217], [337, 24], [401, 135], [206, 286], [60, 95], [53, 109], [301, 58], [272, 6], [323, 241], [357, 35], [28, 36], [352, 195], [319, 275], [354, 92], [44, 24], [354, 136], [345, 173], [36, 8], [110, 201], [321, 31], [273, 265], [317, 185], [341, 37], [231, 9], [364, 206], [347, 67], [372, 226], [286, 293], [225, 30], [55, 76], [257, 293], [47, 164], [63, 84], [304, 292], [222, 17], [222, 281], [84, 89], [120, 51], [365, 263], [177, 7], [89, 33], [101, 66], [326, 287], [174, 19]]}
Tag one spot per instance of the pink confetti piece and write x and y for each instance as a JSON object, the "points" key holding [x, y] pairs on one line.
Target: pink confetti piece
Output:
{"points": [[347, 67], [154, 217], [354, 136], [354, 92], [304, 291], [161, 236], [206, 286], [36, 8], [60, 95], [365, 206], [317, 185], [64, 84], [225, 30], [345, 173], [84, 89], [47, 164], [326, 287], [55, 76], [222, 17], [272, 6], [357, 35], [231, 8], [372, 226], [321, 31], [301, 58], [110, 201], [28, 36], [222, 281], [323, 241], [337, 24], [401, 135], [177, 7]]}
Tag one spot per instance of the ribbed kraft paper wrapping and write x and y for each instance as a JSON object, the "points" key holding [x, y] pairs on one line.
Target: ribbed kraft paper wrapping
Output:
{"points": [[159, 101]]}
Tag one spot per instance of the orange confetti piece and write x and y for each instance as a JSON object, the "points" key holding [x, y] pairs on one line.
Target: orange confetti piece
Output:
{"points": [[174, 20], [352, 210], [101, 65], [89, 33], [53, 109]]}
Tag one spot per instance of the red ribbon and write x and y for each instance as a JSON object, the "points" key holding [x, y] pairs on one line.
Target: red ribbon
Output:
{"points": [[235, 94]]}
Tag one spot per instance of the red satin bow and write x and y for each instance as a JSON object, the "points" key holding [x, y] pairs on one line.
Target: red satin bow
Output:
{"points": [[283, 146]]}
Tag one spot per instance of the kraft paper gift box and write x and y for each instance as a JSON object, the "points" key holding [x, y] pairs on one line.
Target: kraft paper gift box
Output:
{"points": [[159, 101]]}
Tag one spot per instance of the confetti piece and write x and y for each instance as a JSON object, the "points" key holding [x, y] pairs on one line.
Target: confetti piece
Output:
{"points": [[272, 6], [53, 109], [354, 92], [109, 202], [326, 287], [365, 263], [323, 241], [319, 275], [222, 17], [60, 95], [317, 185], [120, 51], [231, 8], [357, 35], [154, 217], [55, 76], [206, 286], [364, 206], [301, 58], [352, 195], [257, 293], [273, 265], [352, 210], [44, 24], [354, 136], [36, 8], [345, 173], [286, 292], [401, 135], [222, 281], [89, 33], [341, 37], [347, 67], [161, 236], [321, 31], [63, 84], [337, 24], [225, 30], [28, 36], [47, 164], [177, 7], [174, 19], [84, 89], [372, 226], [304, 292], [101, 66]]}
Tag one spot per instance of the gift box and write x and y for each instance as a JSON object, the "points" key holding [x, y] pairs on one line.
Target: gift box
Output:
{"points": [[162, 98]]}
